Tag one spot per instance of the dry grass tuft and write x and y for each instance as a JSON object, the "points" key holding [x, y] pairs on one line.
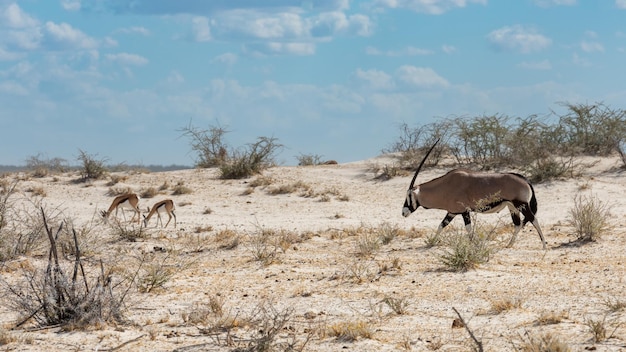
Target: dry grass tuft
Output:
{"points": [[350, 331]]}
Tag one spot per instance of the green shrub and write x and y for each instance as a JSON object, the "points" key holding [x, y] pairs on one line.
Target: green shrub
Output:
{"points": [[92, 168], [252, 160], [464, 253]]}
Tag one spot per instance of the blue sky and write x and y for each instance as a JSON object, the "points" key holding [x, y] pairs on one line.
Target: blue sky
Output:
{"points": [[119, 79]]}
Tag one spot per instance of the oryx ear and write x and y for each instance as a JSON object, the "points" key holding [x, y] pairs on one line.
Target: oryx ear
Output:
{"points": [[411, 186]]}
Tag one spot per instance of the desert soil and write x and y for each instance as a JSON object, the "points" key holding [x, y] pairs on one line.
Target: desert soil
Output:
{"points": [[306, 255]]}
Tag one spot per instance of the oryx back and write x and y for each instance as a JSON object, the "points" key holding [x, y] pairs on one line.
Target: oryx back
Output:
{"points": [[460, 190]]}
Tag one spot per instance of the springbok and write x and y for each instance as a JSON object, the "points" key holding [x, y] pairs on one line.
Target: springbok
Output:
{"points": [[461, 191], [164, 206], [129, 201]]}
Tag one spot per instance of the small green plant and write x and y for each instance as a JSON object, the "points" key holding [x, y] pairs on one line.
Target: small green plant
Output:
{"points": [[589, 217], [434, 239], [464, 253]]}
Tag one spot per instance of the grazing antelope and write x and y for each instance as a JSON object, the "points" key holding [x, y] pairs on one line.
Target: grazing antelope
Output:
{"points": [[129, 201], [462, 191], [164, 206]]}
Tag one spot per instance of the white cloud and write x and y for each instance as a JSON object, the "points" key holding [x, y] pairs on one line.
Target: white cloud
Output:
{"points": [[127, 59], [519, 38], [448, 49], [65, 36], [422, 77], [375, 79], [591, 47], [71, 5], [432, 7], [134, 30], [549, 3], [407, 51], [620, 4], [13, 17], [201, 29], [292, 48]]}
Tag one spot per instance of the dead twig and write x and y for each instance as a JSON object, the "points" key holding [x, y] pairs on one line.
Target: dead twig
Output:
{"points": [[478, 343]]}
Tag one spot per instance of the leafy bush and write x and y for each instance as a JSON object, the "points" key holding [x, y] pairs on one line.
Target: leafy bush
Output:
{"points": [[465, 253], [239, 163], [92, 168], [538, 147], [251, 160]]}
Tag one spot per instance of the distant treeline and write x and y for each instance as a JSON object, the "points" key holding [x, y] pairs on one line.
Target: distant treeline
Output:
{"points": [[151, 168]]}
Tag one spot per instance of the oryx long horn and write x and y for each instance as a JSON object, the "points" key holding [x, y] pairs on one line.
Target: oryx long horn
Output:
{"points": [[422, 163]]}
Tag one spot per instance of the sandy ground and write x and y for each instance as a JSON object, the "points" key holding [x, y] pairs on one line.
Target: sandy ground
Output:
{"points": [[301, 254]]}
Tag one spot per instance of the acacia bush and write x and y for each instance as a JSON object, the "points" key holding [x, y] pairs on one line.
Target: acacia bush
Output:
{"points": [[233, 163], [92, 167], [543, 148]]}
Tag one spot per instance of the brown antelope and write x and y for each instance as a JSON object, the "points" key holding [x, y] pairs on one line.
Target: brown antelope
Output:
{"points": [[462, 191], [129, 201], [164, 206]]}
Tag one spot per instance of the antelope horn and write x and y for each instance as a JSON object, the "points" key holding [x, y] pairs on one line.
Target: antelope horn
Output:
{"points": [[422, 163]]}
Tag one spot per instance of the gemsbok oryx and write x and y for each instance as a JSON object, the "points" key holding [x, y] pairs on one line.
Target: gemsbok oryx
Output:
{"points": [[128, 201], [164, 206], [461, 191]]}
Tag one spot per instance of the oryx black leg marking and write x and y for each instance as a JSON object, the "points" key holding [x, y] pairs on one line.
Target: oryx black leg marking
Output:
{"points": [[467, 218], [446, 220], [517, 221]]}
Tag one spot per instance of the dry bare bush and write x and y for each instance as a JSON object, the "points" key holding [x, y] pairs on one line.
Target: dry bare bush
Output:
{"points": [[116, 178], [181, 189], [127, 232], [350, 331], [549, 318], [116, 190], [22, 231], [545, 342], [65, 293], [155, 269], [227, 239], [264, 246], [149, 192], [502, 305], [294, 187], [398, 305], [589, 218]]}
